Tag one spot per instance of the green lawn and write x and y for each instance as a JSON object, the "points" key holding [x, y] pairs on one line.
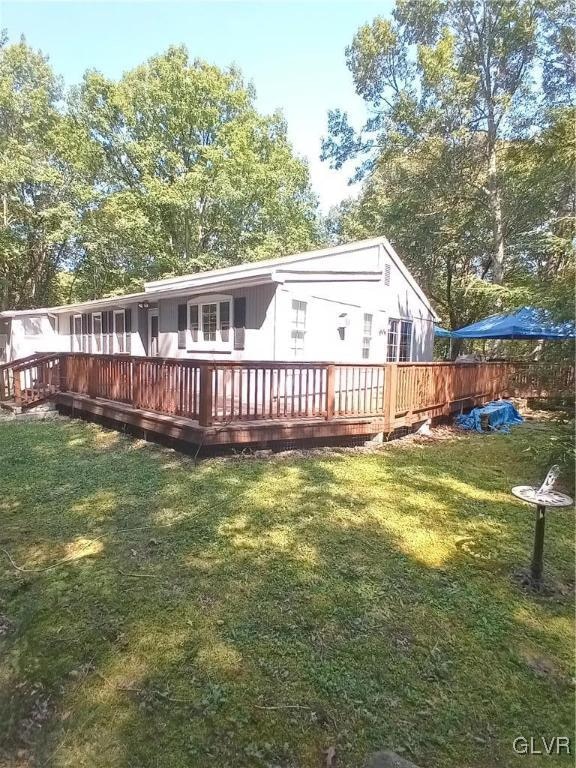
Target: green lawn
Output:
{"points": [[258, 612]]}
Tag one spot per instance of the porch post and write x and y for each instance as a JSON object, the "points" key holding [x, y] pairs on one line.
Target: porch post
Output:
{"points": [[205, 398], [330, 375], [17, 384], [390, 384]]}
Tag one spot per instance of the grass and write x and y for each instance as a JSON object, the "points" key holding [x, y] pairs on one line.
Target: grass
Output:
{"points": [[258, 612]]}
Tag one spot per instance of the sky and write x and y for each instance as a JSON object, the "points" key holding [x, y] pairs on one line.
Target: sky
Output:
{"points": [[292, 52]]}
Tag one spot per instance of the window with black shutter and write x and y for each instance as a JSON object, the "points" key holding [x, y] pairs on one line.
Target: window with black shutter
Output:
{"points": [[209, 322]]}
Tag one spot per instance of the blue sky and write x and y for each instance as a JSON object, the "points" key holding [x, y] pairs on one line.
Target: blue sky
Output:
{"points": [[293, 52]]}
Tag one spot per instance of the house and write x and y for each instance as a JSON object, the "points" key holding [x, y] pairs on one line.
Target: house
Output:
{"points": [[348, 303]]}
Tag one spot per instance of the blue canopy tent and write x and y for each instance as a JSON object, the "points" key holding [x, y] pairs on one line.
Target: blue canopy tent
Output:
{"points": [[523, 323], [442, 333]]}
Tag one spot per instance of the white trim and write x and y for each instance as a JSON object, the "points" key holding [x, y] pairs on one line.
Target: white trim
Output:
{"points": [[400, 320], [115, 345], [367, 338], [153, 313], [75, 336], [264, 265], [203, 301], [95, 335], [245, 275]]}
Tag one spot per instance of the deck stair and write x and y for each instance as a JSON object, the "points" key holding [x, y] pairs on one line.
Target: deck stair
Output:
{"points": [[29, 381]]}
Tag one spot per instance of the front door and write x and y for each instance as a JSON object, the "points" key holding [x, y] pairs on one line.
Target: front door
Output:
{"points": [[153, 334]]}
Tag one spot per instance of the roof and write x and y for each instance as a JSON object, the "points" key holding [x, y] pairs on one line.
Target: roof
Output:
{"points": [[252, 273]]}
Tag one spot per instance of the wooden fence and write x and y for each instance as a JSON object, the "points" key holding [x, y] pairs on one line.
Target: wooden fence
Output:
{"points": [[235, 392]]}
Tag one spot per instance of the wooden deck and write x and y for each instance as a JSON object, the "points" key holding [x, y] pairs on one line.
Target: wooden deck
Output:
{"points": [[213, 404]]}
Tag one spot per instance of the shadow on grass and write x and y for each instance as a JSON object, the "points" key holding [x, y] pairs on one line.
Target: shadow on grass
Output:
{"points": [[255, 613]]}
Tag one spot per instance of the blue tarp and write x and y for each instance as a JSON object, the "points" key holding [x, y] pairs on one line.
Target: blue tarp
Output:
{"points": [[442, 333], [524, 323], [501, 415]]}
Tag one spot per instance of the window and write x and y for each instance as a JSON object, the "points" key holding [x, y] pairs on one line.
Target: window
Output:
{"points": [[298, 329], [399, 341], [367, 336], [97, 331], [392, 348], [405, 341], [120, 331], [210, 321], [77, 333], [32, 326]]}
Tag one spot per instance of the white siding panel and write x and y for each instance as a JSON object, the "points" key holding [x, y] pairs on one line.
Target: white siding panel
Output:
{"points": [[33, 333], [327, 300]]}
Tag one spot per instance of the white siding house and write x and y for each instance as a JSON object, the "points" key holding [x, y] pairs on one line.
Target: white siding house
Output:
{"points": [[350, 303]]}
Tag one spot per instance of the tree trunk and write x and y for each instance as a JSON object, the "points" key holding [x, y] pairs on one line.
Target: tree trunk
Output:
{"points": [[495, 207]]}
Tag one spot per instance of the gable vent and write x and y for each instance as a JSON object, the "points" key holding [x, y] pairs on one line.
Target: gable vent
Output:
{"points": [[386, 274]]}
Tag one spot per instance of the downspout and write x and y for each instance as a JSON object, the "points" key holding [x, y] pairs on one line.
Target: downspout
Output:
{"points": [[274, 334]]}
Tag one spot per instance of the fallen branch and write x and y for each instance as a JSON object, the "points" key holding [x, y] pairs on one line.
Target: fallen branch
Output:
{"points": [[137, 575], [145, 691], [283, 706], [75, 556]]}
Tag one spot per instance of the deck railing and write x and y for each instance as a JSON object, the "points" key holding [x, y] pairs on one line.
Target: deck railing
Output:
{"points": [[216, 393], [154, 384]]}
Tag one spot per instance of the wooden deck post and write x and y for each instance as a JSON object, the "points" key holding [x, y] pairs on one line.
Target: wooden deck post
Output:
{"points": [[63, 370], [330, 376], [17, 387], [390, 386], [205, 396]]}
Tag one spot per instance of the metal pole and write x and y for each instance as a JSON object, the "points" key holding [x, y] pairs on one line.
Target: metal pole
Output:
{"points": [[537, 560]]}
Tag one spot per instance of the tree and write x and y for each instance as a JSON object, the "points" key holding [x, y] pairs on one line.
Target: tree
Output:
{"points": [[192, 176], [469, 75], [38, 215], [454, 153]]}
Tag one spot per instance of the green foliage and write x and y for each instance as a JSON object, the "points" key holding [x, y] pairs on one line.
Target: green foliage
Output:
{"points": [[38, 194], [358, 594], [169, 170], [469, 151]]}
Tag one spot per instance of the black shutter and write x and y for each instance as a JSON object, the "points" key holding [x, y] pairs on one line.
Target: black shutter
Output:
{"points": [[239, 322], [128, 326], [89, 332], [71, 333], [104, 332], [110, 332], [182, 319]]}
